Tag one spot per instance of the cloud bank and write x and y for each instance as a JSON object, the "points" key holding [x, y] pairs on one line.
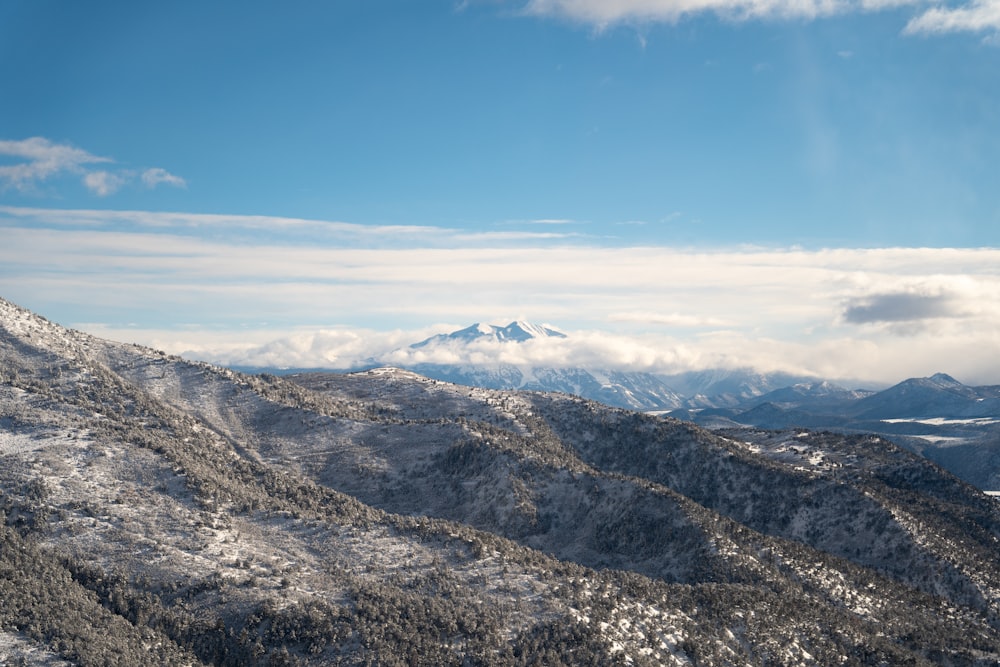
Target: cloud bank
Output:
{"points": [[311, 293]]}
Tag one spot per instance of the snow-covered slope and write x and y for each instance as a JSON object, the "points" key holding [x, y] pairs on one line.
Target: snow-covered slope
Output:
{"points": [[157, 511]]}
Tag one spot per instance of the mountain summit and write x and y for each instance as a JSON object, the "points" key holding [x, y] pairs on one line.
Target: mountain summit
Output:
{"points": [[515, 332], [486, 355]]}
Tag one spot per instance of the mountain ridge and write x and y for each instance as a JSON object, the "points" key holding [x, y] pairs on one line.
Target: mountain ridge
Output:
{"points": [[744, 397], [952, 424], [216, 517]]}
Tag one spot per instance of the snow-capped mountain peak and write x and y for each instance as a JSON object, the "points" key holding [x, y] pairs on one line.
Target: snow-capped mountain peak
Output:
{"points": [[515, 332], [520, 330]]}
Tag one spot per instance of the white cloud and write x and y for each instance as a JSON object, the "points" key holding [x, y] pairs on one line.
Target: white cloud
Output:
{"points": [[604, 13], [978, 16], [156, 176], [582, 348], [679, 320], [868, 313], [103, 183], [325, 348], [974, 16], [177, 221], [512, 236], [869, 360], [42, 159]]}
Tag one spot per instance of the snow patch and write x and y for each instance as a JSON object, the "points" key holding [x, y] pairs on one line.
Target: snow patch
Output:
{"points": [[944, 421]]}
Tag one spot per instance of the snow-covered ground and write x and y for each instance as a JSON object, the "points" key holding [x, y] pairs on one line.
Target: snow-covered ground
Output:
{"points": [[796, 450], [390, 438], [18, 650], [945, 421]]}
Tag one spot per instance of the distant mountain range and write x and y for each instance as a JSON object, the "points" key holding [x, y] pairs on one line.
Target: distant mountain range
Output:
{"points": [[160, 511], [939, 417], [475, 358], [953, 424], [615, 387]]}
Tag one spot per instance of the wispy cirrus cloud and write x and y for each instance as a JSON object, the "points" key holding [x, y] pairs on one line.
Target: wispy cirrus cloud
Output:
{"points": [[501, 236], [973, 16], [292, 229], [38, 159], [157, 176], [677, 320], [41, 159], [604, 13]]}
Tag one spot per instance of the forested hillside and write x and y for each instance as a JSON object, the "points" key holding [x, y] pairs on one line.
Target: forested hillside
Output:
{"points": [[158, 511]]}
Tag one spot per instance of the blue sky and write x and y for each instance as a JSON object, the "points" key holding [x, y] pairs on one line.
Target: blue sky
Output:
{"points": [[794, 185]]}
